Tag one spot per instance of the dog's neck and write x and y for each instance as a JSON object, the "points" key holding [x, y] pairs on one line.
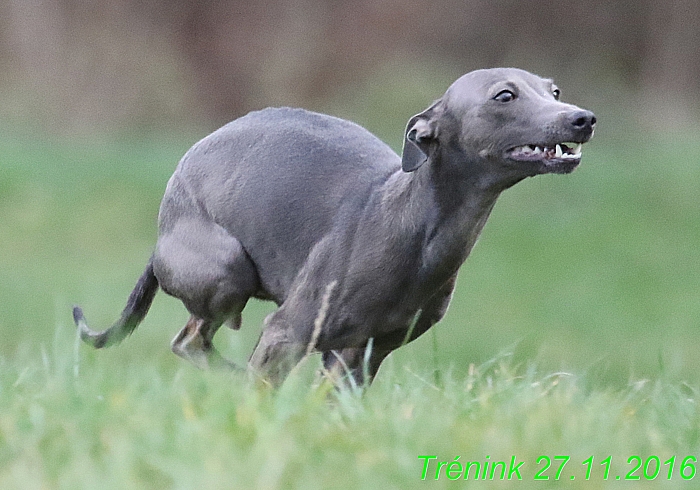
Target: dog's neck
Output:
{"points": [[440, 210]]}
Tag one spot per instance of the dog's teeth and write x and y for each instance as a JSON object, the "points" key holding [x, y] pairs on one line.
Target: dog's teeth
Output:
{"points": [[537, 150], [558, 153], [577, 149]]}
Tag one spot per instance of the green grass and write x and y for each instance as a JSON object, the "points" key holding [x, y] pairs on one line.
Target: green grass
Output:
{"points": [[589, 282], [70, 422]]}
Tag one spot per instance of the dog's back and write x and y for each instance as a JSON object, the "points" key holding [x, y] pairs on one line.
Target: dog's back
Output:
{"points": [[289, 169]]}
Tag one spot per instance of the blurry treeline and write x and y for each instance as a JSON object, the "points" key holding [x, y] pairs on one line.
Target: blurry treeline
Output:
{"points": [[76, 65]]}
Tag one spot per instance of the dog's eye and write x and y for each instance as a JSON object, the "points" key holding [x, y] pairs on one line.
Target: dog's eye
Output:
{"points": [[504, 96], [556, 93]]}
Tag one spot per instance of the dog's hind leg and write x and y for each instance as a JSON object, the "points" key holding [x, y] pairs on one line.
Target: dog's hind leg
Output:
{"points": [[194, 343], [205, 267]]}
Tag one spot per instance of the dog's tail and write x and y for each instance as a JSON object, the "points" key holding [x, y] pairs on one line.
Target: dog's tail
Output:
{"points": [[136, 308]]}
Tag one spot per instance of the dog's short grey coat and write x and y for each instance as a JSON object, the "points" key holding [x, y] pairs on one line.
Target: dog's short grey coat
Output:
{"points": [[350, 240]]}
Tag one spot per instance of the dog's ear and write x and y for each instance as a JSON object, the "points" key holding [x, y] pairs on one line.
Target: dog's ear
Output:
{"points": [[420, 140]]}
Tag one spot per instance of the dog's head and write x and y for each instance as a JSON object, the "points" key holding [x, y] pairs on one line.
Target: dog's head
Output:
{"points": [[508, 121]]}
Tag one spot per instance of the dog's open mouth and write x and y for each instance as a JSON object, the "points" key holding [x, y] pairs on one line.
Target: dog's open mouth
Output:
{"points": [[568, 152]]}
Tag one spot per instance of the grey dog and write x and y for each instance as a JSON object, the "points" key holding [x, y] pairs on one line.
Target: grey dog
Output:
{"points": [[357, 246]]}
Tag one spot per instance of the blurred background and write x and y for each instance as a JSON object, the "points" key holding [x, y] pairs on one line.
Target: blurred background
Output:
{"points": [[81, 65], [597, 271]]}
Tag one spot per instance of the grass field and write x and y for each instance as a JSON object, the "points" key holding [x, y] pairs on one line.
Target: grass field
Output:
{"points": [[573, 332]]}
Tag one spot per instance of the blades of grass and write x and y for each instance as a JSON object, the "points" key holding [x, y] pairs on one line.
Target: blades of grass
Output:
{"points": [[365, 362], [76, 355], [348, 373], [437, 375], [412, 326], [321, 317]]}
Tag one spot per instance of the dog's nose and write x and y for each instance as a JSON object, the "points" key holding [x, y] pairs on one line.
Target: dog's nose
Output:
{"points": [[582, 120]]}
